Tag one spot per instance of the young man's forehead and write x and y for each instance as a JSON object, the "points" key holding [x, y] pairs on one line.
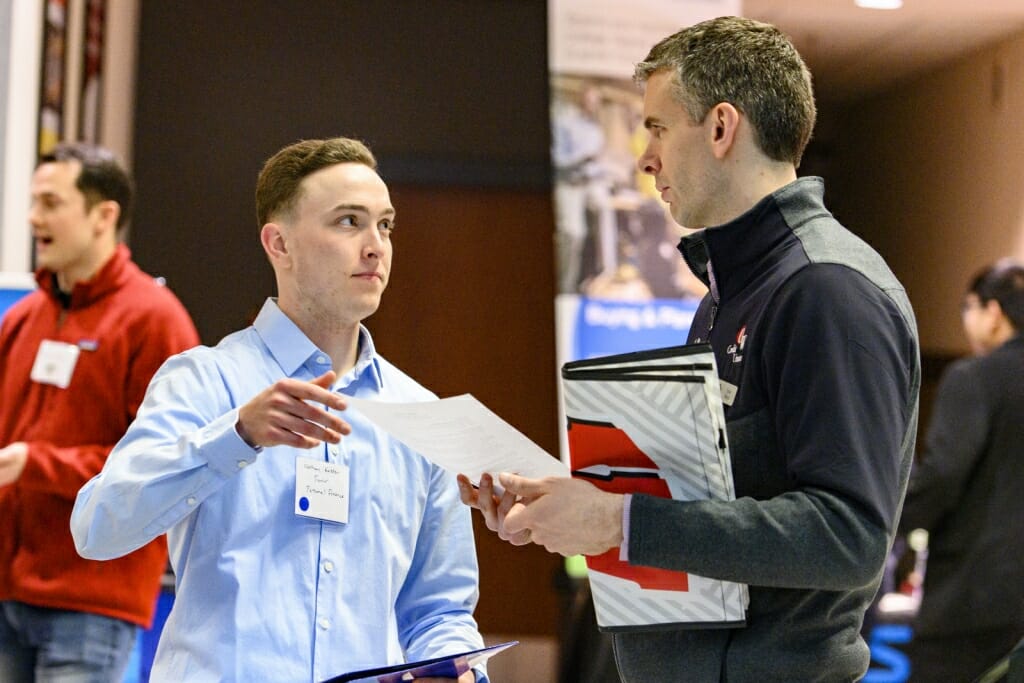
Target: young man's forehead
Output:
{"points": [[351, 186], [70, 167], [55, 177]]}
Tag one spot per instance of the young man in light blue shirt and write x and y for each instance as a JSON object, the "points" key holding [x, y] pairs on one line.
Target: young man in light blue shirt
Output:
{"points": [[304, 545]]}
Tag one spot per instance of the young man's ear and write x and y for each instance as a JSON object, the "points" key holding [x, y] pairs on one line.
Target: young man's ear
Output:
{"points": [[107, 213], [274, 244]]}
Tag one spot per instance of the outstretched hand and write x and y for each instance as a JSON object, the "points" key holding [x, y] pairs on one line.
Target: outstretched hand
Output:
{"points": [[566, 516], [288, 413]]}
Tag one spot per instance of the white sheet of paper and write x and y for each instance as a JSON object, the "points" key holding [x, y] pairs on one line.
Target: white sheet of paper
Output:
{"points": [[461, 435]]}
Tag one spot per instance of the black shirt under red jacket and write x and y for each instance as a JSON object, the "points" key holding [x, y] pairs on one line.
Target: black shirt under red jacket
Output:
{"points": [[125, 324]]}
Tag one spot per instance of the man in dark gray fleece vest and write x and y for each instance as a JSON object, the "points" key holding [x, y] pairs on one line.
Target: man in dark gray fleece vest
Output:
{"points": [[816, 346]]}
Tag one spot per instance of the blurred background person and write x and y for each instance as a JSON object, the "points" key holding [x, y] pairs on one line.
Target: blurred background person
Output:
{"points": [[76, 356], [966, 492], [583, 186]]}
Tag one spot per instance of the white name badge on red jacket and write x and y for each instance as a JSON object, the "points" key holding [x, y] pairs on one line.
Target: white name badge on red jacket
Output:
{"points": [[55, 363]]}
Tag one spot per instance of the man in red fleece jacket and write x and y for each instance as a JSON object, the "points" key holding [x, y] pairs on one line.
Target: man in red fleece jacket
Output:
{"points": [[76, 356]]}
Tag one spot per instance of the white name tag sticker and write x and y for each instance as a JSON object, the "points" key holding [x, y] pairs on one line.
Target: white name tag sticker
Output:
{"points": [[55, 363], [321, 490], [728, 392]]}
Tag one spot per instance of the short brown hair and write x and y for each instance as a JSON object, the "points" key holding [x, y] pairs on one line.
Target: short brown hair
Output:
{"points": [[749, 64], [101, 178], [278, 185]]}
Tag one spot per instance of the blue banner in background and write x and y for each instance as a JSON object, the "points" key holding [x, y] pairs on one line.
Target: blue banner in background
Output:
{"points": [[13, 286], [605, 327]]}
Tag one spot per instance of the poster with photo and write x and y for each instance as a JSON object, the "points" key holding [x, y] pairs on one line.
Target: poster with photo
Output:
{"points": [[622, 284], [52, 83], [92, 71]]}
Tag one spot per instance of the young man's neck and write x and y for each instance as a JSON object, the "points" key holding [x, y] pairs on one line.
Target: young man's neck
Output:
{"points": [[84, 270], [342, 345], [338, 340]]}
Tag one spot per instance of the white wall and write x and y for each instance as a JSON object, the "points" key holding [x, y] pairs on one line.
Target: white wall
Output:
{"points": [[20, 46]]}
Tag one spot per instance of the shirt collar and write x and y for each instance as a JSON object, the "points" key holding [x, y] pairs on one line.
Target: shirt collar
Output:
{"points": [[292, 349], [368, 362]]}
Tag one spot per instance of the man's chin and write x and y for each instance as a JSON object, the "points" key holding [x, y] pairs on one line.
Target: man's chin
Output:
{"points": [[369, 307]]}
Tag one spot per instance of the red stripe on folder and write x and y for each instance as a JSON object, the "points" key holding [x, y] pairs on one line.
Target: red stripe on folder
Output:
{"points": [[593, 444]]}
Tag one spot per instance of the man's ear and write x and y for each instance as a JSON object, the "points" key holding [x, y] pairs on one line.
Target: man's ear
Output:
{"points": [[723, 120], [274, 243], [107, 213], [995, 311]]}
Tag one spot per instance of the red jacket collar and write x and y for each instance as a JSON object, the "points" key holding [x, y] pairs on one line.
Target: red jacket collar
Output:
{"points": [[109, 277]]}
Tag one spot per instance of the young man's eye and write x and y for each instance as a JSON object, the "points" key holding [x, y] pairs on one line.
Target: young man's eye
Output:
{"points": [[386, 225], [347, 221]]}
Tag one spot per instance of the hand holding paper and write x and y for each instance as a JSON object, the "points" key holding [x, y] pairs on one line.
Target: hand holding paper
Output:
{"points": [[493, 506], [566, 516]]}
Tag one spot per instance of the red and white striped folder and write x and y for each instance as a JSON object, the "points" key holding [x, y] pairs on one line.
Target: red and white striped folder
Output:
{"points": [[652, 422]]}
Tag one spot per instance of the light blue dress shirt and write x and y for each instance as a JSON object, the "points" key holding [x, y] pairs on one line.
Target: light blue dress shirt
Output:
{"points": [[262, 593]]}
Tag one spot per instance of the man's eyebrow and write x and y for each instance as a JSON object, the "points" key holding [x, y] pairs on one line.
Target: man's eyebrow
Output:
{"points": [[359, 207]]}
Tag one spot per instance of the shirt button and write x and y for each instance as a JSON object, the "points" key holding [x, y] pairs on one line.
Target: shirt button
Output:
{"points": [[321, 359], [325, 623], [328, 566], [191, 500], [242, 464]]}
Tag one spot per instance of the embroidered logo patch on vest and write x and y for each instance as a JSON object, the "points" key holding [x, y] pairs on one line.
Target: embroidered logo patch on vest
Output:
{"points": [[735, 351]]}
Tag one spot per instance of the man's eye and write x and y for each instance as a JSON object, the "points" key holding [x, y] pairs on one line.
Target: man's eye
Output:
{"points": [[386, 225], [347, 221]]}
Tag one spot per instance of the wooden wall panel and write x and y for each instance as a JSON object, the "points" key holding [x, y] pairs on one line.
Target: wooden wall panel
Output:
{"points": [[469, 309]]}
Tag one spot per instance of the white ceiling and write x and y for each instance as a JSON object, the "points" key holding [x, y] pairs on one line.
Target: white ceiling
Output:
{"points": [[853, 51]]}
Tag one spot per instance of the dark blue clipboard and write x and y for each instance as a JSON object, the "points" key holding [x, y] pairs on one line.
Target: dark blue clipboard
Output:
{"points": [[448, 666]]}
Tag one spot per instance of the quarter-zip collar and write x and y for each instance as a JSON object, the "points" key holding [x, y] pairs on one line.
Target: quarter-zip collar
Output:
{"points": [[739, 248]]}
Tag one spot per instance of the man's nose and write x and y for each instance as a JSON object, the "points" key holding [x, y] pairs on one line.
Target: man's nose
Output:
{"points": [[34, 216], [648, 162], [373, 245]]}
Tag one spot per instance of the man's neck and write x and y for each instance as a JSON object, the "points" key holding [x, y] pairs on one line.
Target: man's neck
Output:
{"points": [[85, 269], [342, 345], [759, 182], [338, 340]]}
